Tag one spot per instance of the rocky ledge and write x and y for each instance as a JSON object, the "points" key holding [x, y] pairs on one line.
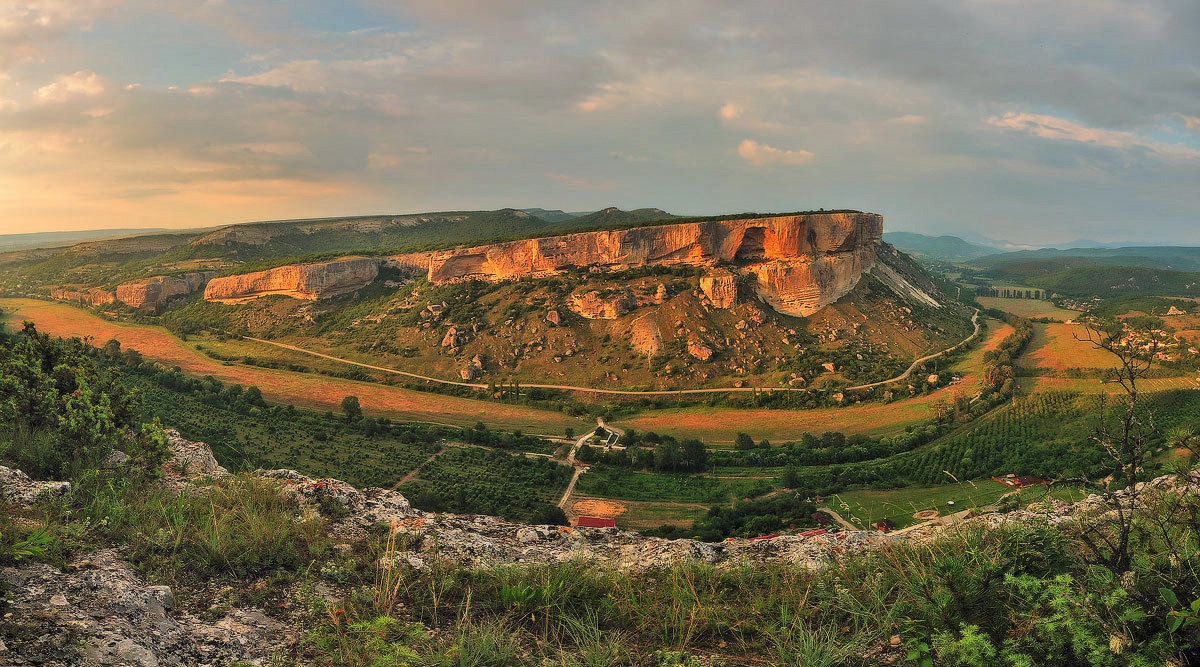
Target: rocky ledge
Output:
{"points": [[98, 611]]}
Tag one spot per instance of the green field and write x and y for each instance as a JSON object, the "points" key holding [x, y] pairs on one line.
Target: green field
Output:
{"points": [[863, 507]]}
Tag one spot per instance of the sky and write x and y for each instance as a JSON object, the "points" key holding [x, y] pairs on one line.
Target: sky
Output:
{"points": [[1037, 122]]}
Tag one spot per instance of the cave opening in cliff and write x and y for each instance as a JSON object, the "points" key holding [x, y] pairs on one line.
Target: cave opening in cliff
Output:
{"points": [[757, 243]]}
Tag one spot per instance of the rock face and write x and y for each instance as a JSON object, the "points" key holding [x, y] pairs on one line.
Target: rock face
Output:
{"points": [[321, 280], [150, 293], [800, 263], [595, 305], [93, 297], [720, 286]]}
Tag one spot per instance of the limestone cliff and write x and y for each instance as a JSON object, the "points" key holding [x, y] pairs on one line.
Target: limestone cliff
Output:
{"points": [[93, 297], [321, 280], [800, 262], [150, 293]]}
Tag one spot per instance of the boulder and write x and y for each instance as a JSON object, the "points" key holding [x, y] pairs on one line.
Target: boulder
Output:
{"points": [[699, 350], [607, 305], [553, 318], [720, 286]]}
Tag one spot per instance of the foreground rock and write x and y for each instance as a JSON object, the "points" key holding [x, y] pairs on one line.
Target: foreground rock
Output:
{"points": [[100, 612], [17, 488]]}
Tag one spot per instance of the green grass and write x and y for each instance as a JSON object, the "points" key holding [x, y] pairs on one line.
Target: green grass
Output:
{"points": [[863, 507], [623, 484]]}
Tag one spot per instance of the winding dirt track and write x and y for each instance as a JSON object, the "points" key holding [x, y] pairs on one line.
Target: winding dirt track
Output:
{"points": [[623, 392]]}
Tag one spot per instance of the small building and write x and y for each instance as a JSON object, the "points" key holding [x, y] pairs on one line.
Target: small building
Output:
{"points": [[596, 522], [1019, 481], [885, 525]]}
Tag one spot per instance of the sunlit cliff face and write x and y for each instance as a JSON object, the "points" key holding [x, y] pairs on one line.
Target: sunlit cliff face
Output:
{"points": [[798, 264]]}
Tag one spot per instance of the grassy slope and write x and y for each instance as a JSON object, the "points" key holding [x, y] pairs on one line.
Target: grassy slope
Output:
{"points": [[302, 389]]}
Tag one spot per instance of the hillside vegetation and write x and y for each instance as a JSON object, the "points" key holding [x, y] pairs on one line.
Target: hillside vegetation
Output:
{"points": [[1115, 587]]}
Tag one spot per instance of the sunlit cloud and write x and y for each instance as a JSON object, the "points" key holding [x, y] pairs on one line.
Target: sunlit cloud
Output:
{"points": [[1053, 127], [761, 154]]}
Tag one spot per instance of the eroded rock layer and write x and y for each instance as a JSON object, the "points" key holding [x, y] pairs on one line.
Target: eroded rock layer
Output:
{"points": [[150, 293], [800, 263], [321, 280]]}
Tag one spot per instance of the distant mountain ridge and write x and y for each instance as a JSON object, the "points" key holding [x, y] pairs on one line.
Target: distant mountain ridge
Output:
{"points": [[32, 240], [939, 248]]}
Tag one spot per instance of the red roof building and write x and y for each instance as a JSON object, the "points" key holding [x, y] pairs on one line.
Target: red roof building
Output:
{"points": [[596, 522]]}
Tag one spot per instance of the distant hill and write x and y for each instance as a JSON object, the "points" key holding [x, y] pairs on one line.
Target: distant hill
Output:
{"points": [[553, 215], [1077, 275], [57, 239], [941, 248], [1173, 258]]}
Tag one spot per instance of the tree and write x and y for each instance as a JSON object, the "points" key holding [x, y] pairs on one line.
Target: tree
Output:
{"points": [[790, 478], [112, 350], [1123, 435], [569, 432], [693, 455], [743, 442], [351, 408], [550, 515], [667, 455]]}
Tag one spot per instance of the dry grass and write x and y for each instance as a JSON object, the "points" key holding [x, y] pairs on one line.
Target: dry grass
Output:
{"points": [[718, 426], [302, 389], [1028, 307], [1054, 346], [638, 515]]}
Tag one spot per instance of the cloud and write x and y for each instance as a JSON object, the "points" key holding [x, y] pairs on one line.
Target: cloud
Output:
{"points": [[761, 154], [71, 86], [1053, 127], [282, 108], [729, 111]]}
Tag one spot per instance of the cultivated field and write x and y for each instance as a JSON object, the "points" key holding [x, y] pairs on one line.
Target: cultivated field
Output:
{"points": [[1028, 307], [636, 515], [1055, 347], [302, 389]]}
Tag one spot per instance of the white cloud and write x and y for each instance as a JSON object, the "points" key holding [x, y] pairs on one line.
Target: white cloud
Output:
{"points": [[71, 86], [761, 154], [1053, 127]]}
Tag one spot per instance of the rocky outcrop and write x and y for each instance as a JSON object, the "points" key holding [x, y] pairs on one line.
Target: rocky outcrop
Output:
{"points": [[699, 350], [800, 262], [607, 305], [18, 489], [92, 297], [322, 280], [720, 286], [150, 293], [100, 612]]}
